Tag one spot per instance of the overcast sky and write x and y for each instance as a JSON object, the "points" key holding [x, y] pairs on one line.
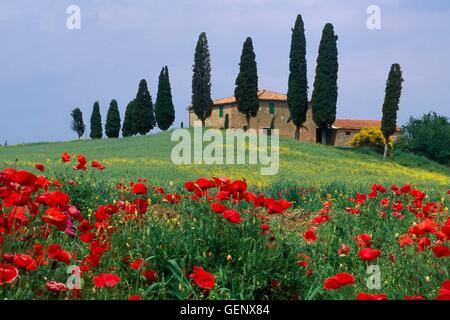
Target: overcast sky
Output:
{"points": [[46, 69]]}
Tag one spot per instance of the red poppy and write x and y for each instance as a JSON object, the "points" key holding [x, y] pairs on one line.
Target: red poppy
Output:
{"points": [[65, 157], [204, 183], [414, 298], [405, 240], [18, 217], [150, 275], [385, 202], [135, 297], [24, 178], [55, 252], [97, 165], [25, 261], [232, 216], [364, 240], [54, 286], [106, 280], [310, 235], [368, 296], [218, 208], [55, 217], [8, 273], [81, 165], [339, 280], [441, 251], [173, 198], [368, 254], [136, 264], [202, 278], [444, 292], [264, 228], [344, 249], [139, 188], [40, 167]]}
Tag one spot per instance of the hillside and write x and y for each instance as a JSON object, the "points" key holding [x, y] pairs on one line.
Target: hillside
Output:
{"points": [[301, 164]]}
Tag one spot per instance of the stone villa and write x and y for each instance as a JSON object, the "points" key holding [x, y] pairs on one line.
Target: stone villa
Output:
{"points": [[273, 107]]}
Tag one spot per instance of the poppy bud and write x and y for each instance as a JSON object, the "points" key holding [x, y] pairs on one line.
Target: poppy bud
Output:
{"points": [[427, 279], [229, 258]]}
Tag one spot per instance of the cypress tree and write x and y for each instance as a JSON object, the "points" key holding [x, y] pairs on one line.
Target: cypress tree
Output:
{"points": [[324, 97], [96, 122], [77, 122], [391, 104], [297, 95], [246, 90], [201, 80], [143, 115], [164, 109], [127, 127], [112, 126]]}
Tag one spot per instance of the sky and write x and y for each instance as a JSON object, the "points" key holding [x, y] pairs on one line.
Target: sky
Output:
{"points": [[46, 69]]}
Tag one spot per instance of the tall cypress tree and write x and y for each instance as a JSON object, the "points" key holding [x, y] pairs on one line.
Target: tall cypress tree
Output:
{"points": [[77, 122], [297, 95], [201, 80], [246, 90], [324, 97], [112, 126], [164, 109], [127, 126], [96, 122], [391, 104], [143, 114]]}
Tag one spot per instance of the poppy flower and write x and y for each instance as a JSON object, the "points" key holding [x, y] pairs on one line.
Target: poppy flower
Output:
{"points": [[55, 252], [339, 280], [97, 165], [343, 249], [24, 178], [150, 275], [444, 292], [364, 240], [54, 286], [173, 198], [202, 278], [139, 188], [204, 183], [65, 157], [310, 235], [232, 216], [40, 167], [405, 240], [368, 296], [218, 208], [441, 251], [264, 228], [55, 217], [25, 261], [106, 280], [136, 264], [135, 297], [414, 298], [8, 273], [368, 254]]}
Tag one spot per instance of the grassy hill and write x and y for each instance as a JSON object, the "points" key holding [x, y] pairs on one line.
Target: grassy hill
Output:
{"points": [[301, 164]]}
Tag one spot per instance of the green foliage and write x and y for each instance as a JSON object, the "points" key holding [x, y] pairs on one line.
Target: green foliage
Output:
{"points": [[127, 128], [143, 114], [96, 122], [324, 97], [201, 80], [77, 122], [428, 136], [164, 109], [246, 90], [297, 95], [369, 137], [112, 126], [391, 101]]}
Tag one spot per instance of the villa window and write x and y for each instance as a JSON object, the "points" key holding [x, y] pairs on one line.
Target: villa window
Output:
{"points": [[271, 107], [347, 133], [220, 111]]}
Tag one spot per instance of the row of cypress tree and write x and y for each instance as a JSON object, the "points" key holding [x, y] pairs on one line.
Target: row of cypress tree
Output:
{"points": [[141, 116]]}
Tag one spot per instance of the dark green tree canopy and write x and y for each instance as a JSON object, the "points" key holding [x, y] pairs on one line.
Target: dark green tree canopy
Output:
{"points": [[77, 122], [96, 122], [246, 90], [127, 127], [112, 126], [164, 109], [143, 114], [325, 93], [297, 95], [391, 101], [201, 80]]}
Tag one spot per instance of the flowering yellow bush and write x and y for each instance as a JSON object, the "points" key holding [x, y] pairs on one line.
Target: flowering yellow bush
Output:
{"points": [[369, 137]]}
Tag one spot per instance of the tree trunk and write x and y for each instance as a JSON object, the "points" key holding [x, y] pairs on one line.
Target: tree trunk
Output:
{"points": [[323, 131], [248, 121], [203, 123], [297, 133], [386, 149]]}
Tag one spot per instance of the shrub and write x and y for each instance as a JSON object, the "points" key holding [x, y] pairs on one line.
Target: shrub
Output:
{"points": [[428, 136], [369, 137]]}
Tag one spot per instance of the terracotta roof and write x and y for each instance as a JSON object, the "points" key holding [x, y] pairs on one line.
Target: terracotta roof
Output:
{"points": [[356, 124], [262, 95]]}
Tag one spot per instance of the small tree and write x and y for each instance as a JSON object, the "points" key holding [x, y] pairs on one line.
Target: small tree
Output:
{"points": [[77, 122], [297, 95], [391, 104], [371, 137], [143, 114], [201, 80], [226, 122], [246, 91], [324, 97], [127, 127], [96, 122], [112, 126], [182, 125], [164, 109]]}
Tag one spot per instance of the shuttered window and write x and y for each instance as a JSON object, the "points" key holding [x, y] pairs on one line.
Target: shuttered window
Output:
{"points": [[220, 111], [272, 107]]}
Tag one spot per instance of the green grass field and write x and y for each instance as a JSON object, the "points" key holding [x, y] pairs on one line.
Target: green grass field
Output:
{"points": [[301, 163]]}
